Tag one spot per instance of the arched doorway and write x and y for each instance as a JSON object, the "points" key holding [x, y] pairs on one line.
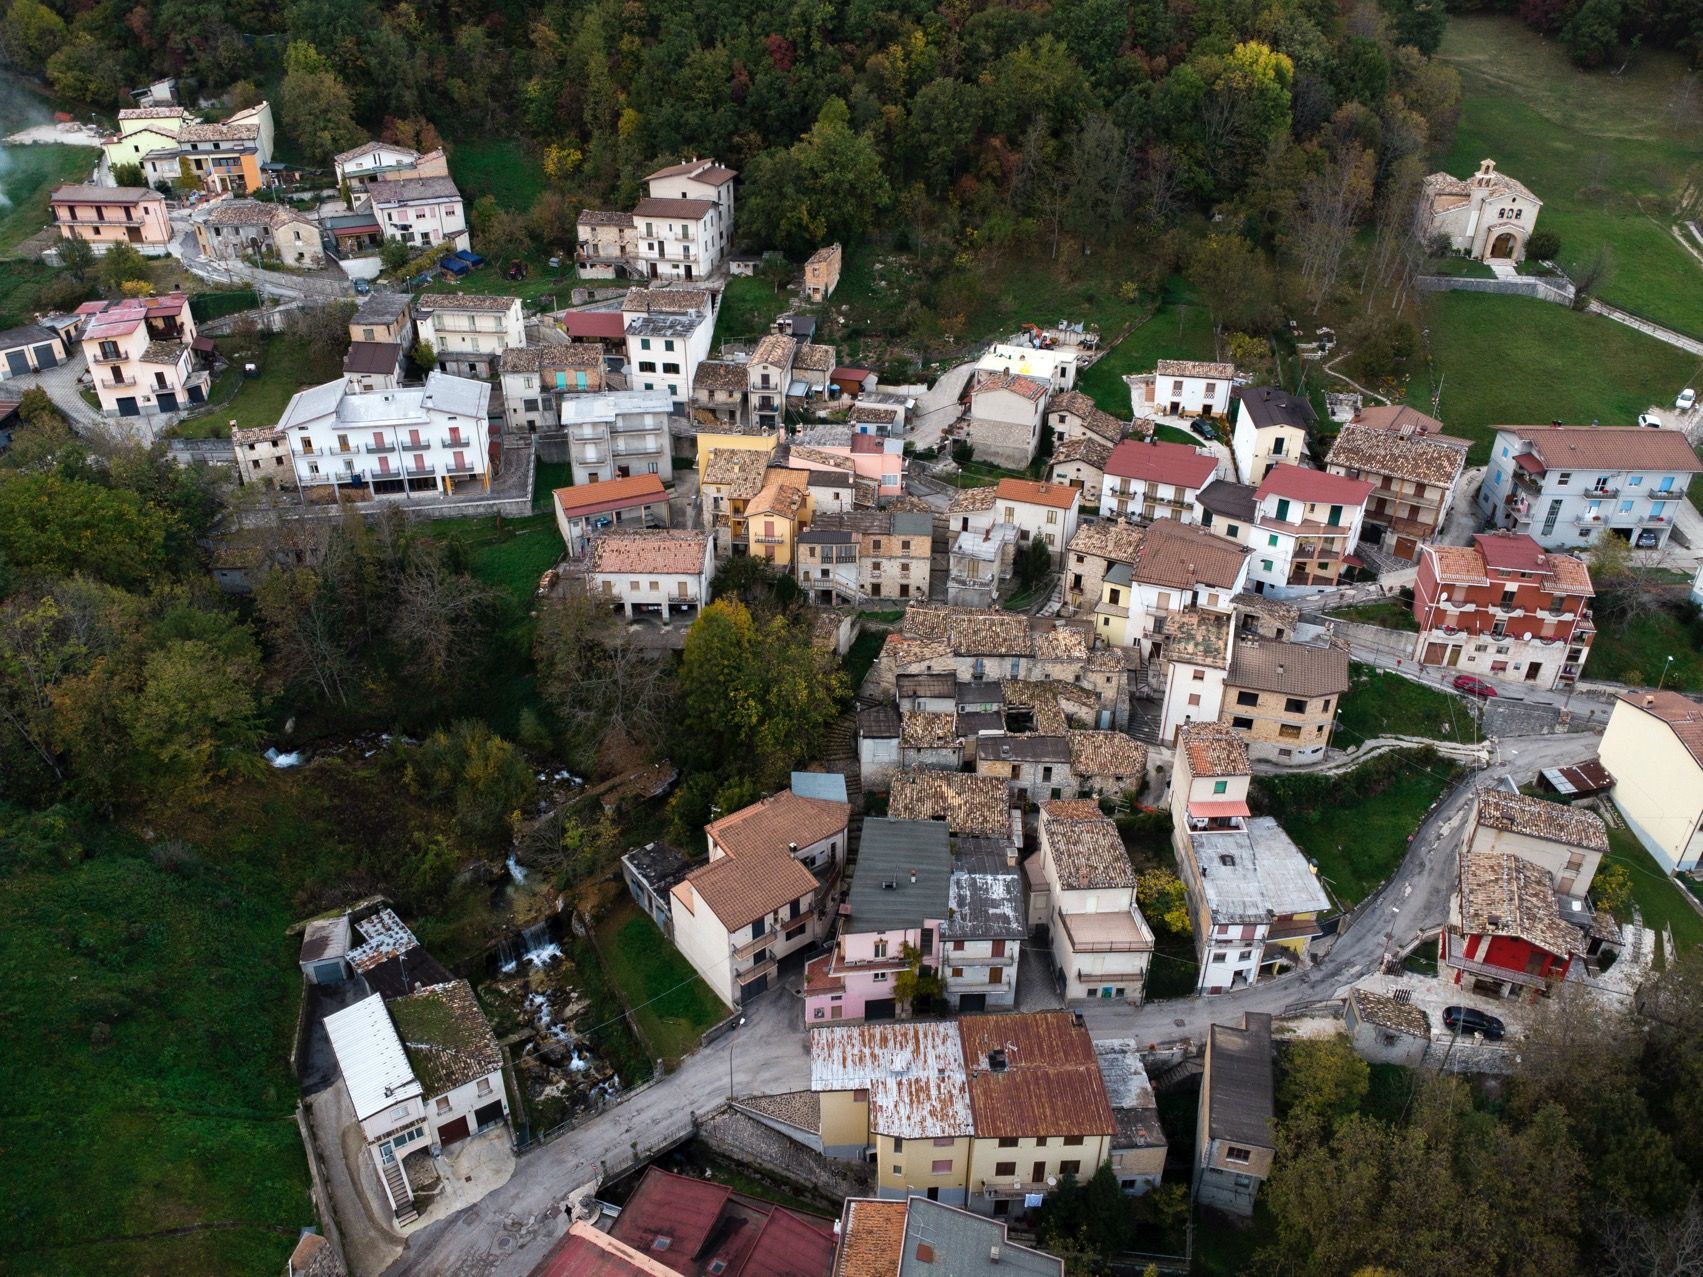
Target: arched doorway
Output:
{"points": [[1503, 245]]}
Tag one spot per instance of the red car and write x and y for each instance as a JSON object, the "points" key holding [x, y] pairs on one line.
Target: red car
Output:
{"points": [[1472, 686]]}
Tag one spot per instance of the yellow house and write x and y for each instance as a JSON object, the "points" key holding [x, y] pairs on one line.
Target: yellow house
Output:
{"points": [[712, 441], [1653, 747], [730, 479], [141, 130], [776, 515]]}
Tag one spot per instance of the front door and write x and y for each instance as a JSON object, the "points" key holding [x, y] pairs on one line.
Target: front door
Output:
{"points": [[1040, 1175], [1504, 245], [1532, 671], [972, 1002], [490, 1115]]}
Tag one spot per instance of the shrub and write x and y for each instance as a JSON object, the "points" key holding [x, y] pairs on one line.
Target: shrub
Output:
{"points": [[1544, 244]]}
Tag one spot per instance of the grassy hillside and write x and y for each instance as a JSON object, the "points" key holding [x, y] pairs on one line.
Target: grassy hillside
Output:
{"points": [[27, 175]]}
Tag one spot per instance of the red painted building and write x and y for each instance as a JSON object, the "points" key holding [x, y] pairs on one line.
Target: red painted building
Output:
{"points": [[1505, 608], [1506, 936]]}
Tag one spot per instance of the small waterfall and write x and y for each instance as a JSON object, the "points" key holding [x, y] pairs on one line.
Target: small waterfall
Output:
{"points": [[517, 871], [537, 948], [508, 957]]}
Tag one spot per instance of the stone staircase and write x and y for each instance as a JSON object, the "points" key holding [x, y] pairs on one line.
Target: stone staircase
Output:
{"points": [[839, 754], [1185, 1068], [396, 1180]]}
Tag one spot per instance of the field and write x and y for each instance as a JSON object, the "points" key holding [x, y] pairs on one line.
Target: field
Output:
{"points": [[1391, 614], [512, 554], [150, 997], [1606, 153], [501, 167], [1384, 704], [542, 289], [748, 305], [1513, 360], [1636, 651], [27, 175], [286, 366], [671, 1004], [20, 282], [1661, 901], [1179, 328]]}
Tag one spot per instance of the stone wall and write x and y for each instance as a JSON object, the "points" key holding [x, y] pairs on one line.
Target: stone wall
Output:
{"points": [[741, 1138], [1524, 286]]}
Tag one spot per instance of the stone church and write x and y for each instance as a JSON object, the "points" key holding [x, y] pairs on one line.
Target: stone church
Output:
{"points": [[1488, 215]]}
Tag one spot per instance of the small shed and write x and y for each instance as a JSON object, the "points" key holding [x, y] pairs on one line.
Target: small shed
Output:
{"points": [[1582, 780], [325, 948], [1386, 1029]]}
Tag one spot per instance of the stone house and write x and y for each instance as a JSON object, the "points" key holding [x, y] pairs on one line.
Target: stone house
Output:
{"points": [[822, 273]]}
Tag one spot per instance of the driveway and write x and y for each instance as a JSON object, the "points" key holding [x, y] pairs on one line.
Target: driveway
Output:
{"points": [[511, 1230], [60, 383], [938, 407]]}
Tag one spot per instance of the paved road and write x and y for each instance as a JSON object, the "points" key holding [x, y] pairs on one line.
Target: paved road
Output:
{"points": [[1413, 902], [506, 1234]]}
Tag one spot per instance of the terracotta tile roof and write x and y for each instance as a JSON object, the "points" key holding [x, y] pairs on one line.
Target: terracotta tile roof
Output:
{"points": [[152, 113], [1286, 615], [664, 301], [914, 1073], [774, 348], [1106, 754], [686, 209], [1213, 749], [1387, 1013], [1043, 697], [671, 550], [741, 469], [1298, 483], [970, 500], [778, 498], [872, 1238], [1184, 555], [1397, 417], [1034, 1074], [615, 494], [1194, 368], [975, 805], [1457, 564], [602, 217], [1083, 448], [813, 357], [1368, 450], [1608, 448], [579, 354], [251, 213], [1538, 818], [448, 1041], [1057, 496], [1034, 389], [972, 631], [1153, 461], [485, 303], [1093, 418], [218, 133], [1503, 895], [1061, 643], [1683, 716], [802, 1109], [773, 823], [1198, 638], [716, 374], [1086, 848], [1292, 669], [1114, 542], [706, 171], [739, 889], [929, 729], [400, 189], [83, 193], [258, 434]]}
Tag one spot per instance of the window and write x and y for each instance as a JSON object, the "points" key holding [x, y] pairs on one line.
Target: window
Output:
{"points": [[880, 977], [644, 343], [1235, 1153], [1220, 786], [1041, 1142], [1265, 564], [1072, 1167], [484, 1087], [1218, 957], [1242, 724], [1271, 540], [443, 1104], [1247, 698], [1198, 676], [957, 973], [1002, 1169], [1007, 1142], [1294, 705], [940, 1166], [1244, 955], [898, 1144], [1070, 1141], [1194, 698]]}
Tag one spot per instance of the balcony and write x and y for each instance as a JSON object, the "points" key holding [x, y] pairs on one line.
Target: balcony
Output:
{"points": [[120, 383], [117, 357], [752, 945], [769, 540], [1652, 520], [590, 456], [416, 445], [761, 969], [587, 434], [1606, 490], [1011, 1188], [380, 447], [1120, 932], [638, 448], [458, 441]]}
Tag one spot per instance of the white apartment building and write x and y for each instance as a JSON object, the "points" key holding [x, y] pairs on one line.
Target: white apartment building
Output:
{"points": [[1271, 430], [684, 228], [668, 335], [1306, 524], [1565, 485], [1146, 480], [140, 355], [1055, 367], [618, 434], [469, 332], [419, 210], [408, 441]]}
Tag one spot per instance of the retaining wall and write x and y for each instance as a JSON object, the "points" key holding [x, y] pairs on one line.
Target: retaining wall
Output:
{"points": [[743, 1139], [1524, 286]]}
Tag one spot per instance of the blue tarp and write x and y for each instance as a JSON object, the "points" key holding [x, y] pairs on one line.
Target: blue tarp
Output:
{"points": [[471, 258], [454, 266]]}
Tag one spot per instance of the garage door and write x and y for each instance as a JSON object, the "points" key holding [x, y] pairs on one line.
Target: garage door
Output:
{"points": [[44, 356], [880, 1009], [969, 1002], [127, 408], [490, 1115], [751, 990], [167, 401], [450, 1132], [17, 362]]}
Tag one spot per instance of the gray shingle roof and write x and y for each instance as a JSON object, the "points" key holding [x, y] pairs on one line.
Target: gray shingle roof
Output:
{"points": [[891, 851]]}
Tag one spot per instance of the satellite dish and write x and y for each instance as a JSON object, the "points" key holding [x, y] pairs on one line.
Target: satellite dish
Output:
{"points": [[1051, 1182], [1527, 636]]}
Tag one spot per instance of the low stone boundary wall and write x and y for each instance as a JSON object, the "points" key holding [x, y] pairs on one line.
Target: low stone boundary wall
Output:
{"points": [[1524, 286]]}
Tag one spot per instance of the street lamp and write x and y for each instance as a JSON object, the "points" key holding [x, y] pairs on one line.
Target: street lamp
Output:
{"points": [[1664, 678]]}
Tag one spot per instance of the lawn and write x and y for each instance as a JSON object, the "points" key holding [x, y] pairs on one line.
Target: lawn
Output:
{"points": [[1391, 614], [672, 1005], [1179, 328], [1380, 703], [286, 366], [512, 554], [1356, 826], [748, 306], [865, 651], [504, 168], [30, 175], [1662, 901], [1636, 651], [1602, 151], [1459, 268], [20, 283], [542, 289], [1515, 360], [150, 999]]}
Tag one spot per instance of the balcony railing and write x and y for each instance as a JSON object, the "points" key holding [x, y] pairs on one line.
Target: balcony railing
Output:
{"points": [[763, 941], [416, 445], [587, 434], [458, 441], [118, 358], [121, 383], [381, 447], [1003, 1188], [637, 448], [590, 456], [769, 540]]}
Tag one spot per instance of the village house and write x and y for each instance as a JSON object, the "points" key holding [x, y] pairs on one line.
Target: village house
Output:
{"points": [[1195, 647], [876, 413], [263, 456], [468, 331], [1226, 508], [422, 1072], [868, 554], [1101, 945], [1149, 480], [613, 435], [603, 240], [1654, 745], [980, 562], [885, 1238], [684, 226], [889, 925], [1080, 463], [372, 365], [536, 378], [728, 483], [1504, 608], [1056, 367], [652, 569], [878, 728], [1486, 216], [384, 317], [1090, 554], [763, 894], [1182, 388], [1235, 1136], [229, 157], [31, 348], [142, 355], [107, 215], [1006, 410], [1139, 1145], [768, 374], [1040, 512], [1414, 472], [822, 273], [1306, 527], [586, 511], [1565, 485], [1505, 936], [973, 806], [1074, 416], [1566, 842], [385, 161], [1385, 1031], [1106, 764], [650, 873], [719, 393], [414, 439], [982, 935], [812, 374], [1036, 765], [243, 230], [1282, 698], [141, 131], [1253, 897], [776, 515], [1174, 567], [1271, 430], [875, 460], [419, 211], [668, 335]]}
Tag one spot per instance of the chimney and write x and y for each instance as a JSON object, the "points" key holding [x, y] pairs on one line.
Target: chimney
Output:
{"points": [[1280, 669], [913, 877], [993, 1254]]}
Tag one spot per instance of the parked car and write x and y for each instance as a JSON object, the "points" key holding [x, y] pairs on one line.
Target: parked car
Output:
{"points": [[1687, 400], [1650, 419], [362, 287], [1203, 427], [1472, 686], [1472, 1020]]}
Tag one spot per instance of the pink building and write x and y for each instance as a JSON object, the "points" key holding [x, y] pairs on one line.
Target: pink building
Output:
{"points": [[875, 458], [897, 904]]}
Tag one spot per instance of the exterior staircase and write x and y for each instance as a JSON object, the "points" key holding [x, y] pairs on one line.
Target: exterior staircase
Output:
{"points": [[1185, 1068], [839, 754], [396, 1180]]}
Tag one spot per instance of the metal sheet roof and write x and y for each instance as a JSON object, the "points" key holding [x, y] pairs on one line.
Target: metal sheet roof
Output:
{"points": [[370, 1055]]}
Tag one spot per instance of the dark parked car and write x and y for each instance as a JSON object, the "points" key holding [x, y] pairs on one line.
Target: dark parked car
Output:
{"points": [[1472, 1020], [1472, 686], [1204, 427]]}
